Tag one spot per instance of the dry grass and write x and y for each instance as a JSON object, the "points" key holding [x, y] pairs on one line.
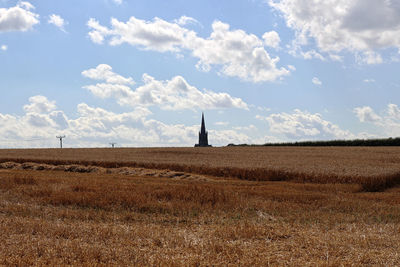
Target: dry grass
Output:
{"points": [[374, 168], [68, 218], [184, 206]]}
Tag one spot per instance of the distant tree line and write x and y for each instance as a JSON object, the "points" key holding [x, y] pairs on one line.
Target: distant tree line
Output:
{"points": [[356, 142]]}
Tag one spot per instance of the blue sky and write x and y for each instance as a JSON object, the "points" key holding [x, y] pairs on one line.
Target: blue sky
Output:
{"points": [[139, 73]]}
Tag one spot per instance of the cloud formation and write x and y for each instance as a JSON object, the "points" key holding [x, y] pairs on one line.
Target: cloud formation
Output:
{"points": [[39, 104], [235, 52], [103, 72], [96, 127], [271, 39], [366, 114], [57, 21], [387, 123], [174, 94], [302, 125], [184, 20], [316, 81], [18, 18], [40, 122], [362, 27]]}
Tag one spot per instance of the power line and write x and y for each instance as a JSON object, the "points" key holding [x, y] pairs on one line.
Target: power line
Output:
{"points": [[61, 138], [113, 144]]}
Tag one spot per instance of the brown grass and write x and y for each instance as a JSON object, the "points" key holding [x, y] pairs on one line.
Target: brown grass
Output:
{"points": [[374, 168], [69, 218]]}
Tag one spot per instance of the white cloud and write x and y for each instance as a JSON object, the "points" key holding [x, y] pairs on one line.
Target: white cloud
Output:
{"points": [[118, 2], [366, 114], [235, 52], [369, 80], [120, 92], [240, 55], [25, 5], [184, 20], [358, 26], [97, 35], [57, 21], [304, 125], [316, 81], [93, 126], [103, 72], [291, 67], [271, 39], [311, 54], [369, 57], [39, 104], [4, 47], [393, 111], [40, 123], [387, 124], [174, 94], [18, 18], [158, 35]]}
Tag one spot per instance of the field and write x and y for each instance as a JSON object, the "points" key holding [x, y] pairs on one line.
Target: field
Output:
{"points": [[213, 206], [374, 168]]}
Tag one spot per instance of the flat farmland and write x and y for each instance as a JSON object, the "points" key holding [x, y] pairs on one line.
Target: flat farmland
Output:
{"points": [[363, 161], [84, 219], [376, 168], [251, 206], [343, 160]]}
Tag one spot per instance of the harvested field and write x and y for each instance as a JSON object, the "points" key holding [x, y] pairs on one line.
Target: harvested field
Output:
{"points": [[374, 168], [337, 160], [185, 206], [94, 169], [58, 218]]}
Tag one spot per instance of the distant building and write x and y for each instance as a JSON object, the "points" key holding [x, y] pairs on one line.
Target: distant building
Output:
{"points": [[203, 134]]}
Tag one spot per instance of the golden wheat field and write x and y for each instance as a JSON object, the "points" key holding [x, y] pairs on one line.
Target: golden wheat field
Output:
{"points": [[251, 206], [375, 168]]}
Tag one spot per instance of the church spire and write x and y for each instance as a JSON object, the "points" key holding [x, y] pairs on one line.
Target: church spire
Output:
{"points": [[203, 125], [203, 134]]}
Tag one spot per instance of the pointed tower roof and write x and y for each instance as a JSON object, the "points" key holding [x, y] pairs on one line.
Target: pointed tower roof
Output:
{"points": [[203, 135], [203, 125]]}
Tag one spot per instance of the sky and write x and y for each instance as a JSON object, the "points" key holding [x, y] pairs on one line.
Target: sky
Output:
{"points": [[140, 73]]}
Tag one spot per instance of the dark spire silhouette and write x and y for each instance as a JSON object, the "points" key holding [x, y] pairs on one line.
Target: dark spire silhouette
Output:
{"points": [[203, 134], [203, 125]]}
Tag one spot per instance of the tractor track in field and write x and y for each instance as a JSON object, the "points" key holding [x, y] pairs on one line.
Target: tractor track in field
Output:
{"points": [[131, 171]]}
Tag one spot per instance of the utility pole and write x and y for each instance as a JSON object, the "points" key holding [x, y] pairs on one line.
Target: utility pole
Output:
{"points": [[61, 138], [113, 144]]}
